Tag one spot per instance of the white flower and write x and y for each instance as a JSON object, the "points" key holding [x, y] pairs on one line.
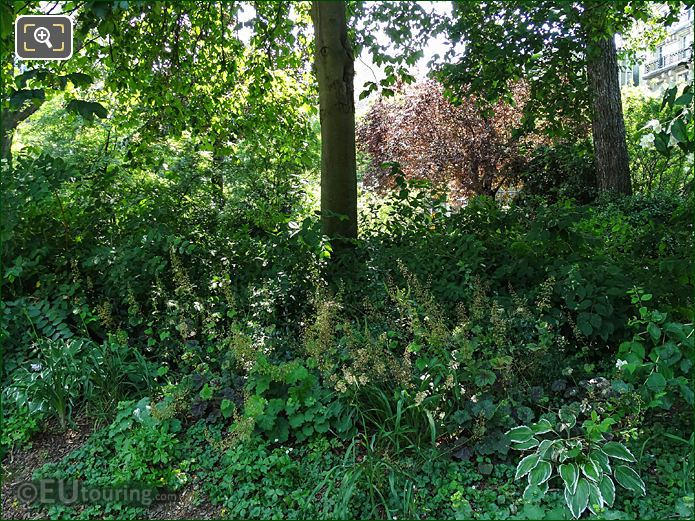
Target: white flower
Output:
{"points": [[653, 124], [620, 363], [647, 141], [690, 158], [35, 367]]}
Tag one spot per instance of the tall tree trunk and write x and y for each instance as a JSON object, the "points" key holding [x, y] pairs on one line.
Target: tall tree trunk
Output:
{"points": [[607, 123], [335, 71]]}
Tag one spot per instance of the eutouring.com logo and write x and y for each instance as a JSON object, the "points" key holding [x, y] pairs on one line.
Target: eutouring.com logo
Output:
{"points": [[68, 492]]}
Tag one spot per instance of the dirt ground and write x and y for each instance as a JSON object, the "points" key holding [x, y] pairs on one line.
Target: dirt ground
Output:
{"points": [[51, 446]]}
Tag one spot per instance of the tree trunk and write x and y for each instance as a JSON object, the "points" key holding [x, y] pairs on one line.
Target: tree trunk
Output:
{"points": [[6, 145], [607, 124], [334, 61], [9, 121]]}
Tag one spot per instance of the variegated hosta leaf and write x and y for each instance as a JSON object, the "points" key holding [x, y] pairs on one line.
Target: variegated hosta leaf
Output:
{"points": [[595, 498], [544, 446], [528, 444], [578, 501], [542, 426], [570, 475], [618, 451], [519, 434], [607, 488], [599, 457], [541, 473], [591, 470], [629, 479], [526, 465]]}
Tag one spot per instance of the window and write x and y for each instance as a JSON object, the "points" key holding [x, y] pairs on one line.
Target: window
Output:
{"points": [[659, 56]]}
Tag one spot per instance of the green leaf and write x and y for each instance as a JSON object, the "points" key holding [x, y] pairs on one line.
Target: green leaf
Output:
{"points": [[595, 498], [584, 324], [600, 458], [541, 473], [485, 377], [87, 109], [591, 470], [570, 475], [79, 79], [629, 479], [519, 434], [567, 418], [617, 450], [526, 465], [656, 382], [654, 331], [542, 426], [661, 144], [206, 392], [544, 446], [684, 99], [227, 408], [578, 501], [529, 444], [607, 488], [679, 131], [18, 98], [534, 493], [669, 97]]}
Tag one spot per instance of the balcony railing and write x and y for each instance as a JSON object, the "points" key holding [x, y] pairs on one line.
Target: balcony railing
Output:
{"points": [[668, 61]]}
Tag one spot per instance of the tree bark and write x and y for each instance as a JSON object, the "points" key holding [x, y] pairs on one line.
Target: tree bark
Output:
{"points": [[334, 61], [607, 123], [10, 120]]}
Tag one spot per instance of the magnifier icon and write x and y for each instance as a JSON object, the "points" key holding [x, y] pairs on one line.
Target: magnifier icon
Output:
{"points": [[42, 35]]}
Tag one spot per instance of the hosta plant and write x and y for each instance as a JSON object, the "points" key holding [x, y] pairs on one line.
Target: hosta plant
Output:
{"points": [[586, 466]]}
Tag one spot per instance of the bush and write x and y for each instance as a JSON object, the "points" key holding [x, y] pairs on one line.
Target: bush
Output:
{"points": [[559, 171], [652, 170]]}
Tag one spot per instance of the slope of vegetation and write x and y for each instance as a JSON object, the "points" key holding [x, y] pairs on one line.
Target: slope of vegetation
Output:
{"points": [[174, 318]]}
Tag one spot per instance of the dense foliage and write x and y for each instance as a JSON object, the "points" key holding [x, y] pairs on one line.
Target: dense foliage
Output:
{"points": [[169, 300]]}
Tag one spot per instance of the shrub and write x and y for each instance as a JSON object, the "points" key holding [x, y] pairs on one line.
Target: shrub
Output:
{"points": [[54, 384], [559, 171], [463, 145]]}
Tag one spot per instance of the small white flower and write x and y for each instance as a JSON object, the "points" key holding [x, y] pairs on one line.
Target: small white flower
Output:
{"points": [[647, 141], [35, 367], [620, 364]]}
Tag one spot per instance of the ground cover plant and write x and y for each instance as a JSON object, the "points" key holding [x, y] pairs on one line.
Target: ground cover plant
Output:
{"points": [[188, 310]]}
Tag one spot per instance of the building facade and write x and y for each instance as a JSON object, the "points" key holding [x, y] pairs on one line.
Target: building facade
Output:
{"points": [[670, 63]]}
